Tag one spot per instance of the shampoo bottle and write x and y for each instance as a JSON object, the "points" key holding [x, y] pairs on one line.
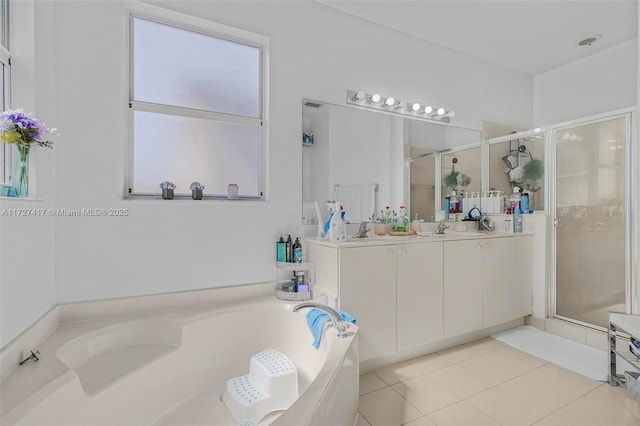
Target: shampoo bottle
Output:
{"points": [[281, 250], [297, 251], [289, 245], [517, 221], [447, 207], [524, 203]]}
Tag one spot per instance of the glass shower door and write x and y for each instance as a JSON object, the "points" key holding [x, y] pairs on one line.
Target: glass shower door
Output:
{"points": [[590, 231]]}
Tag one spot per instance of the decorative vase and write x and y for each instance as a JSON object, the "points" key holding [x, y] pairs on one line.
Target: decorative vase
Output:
{"points": [[196, 194], [20, 172], [167, 194]]}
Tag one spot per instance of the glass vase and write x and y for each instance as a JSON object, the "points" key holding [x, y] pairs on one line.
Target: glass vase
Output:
{"points": [[20, 172]]}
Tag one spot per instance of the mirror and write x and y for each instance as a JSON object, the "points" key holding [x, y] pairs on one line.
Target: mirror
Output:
{"points": [[518, 161], [376, 158], [461, 171]]}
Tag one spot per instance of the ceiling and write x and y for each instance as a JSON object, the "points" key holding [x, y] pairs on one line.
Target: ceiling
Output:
{"points": [[532, 36]]}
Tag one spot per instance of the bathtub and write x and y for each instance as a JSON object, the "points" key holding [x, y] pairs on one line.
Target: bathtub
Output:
{"points": [[171, 367]]}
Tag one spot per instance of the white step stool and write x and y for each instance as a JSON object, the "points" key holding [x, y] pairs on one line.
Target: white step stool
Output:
{"points": [[272, 384]]}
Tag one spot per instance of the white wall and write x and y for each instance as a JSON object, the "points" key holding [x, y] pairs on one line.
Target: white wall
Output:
{"points": [[27, 242], [80, 79], [316, 53], [603, 82]]}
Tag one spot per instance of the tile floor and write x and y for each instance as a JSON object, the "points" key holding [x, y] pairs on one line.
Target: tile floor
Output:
{"points": [[489, 383]]}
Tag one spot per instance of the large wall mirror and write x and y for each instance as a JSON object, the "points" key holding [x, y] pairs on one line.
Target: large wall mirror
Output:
{"points": [[518, 161], [376, 159]]}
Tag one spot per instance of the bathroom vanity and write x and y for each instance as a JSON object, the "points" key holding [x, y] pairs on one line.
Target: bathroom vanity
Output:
{"points": [[407, 292]]}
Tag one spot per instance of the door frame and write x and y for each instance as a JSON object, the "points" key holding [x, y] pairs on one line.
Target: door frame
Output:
{"points": [[631, 222]]}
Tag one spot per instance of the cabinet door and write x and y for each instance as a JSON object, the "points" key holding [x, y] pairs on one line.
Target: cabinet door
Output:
{"points": [[462, 287], [419, 294], [368, 292], [524, 276], [500, 285]]}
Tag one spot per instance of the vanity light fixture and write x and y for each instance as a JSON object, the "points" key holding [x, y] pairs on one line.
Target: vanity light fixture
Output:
{"points": [[399, 107]]}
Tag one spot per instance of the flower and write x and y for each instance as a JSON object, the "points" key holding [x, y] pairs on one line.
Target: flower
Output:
{"points": [[23, 130], [196, 186], [167, 185]]}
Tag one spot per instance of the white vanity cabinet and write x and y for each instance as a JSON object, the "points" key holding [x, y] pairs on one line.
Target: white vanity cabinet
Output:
{"points": [[409, 294], [487, 282], [419, 294], [394, 291], [367, 290]]}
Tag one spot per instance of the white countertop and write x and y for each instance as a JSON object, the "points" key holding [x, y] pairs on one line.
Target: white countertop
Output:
{"points": [[413, 239]]}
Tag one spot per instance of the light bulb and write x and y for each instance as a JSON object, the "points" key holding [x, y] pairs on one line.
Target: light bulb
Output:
{"points": [[415, 107], [375, 98], [565, 136], [573, 137], [451, 114], [440, 111], [428, 109], [390, 101], [358, 96]]}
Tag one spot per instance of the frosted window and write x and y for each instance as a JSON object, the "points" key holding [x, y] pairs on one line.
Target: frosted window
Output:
{"points": [[188, 69], [184, 149]]}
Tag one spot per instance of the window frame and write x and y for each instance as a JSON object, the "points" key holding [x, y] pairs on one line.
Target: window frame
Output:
{"points": [[6, 158], [209, 28]]}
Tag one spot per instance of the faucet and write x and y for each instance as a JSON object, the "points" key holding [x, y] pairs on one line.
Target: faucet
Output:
{"points": [[362, 232], [485, 223], [440, 228], [336, 318]]}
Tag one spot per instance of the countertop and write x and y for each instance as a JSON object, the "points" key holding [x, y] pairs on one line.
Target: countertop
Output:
{"points": [[376, 240]]}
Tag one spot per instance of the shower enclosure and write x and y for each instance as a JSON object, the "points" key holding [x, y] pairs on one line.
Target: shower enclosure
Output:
{"points": [[591, 218]]}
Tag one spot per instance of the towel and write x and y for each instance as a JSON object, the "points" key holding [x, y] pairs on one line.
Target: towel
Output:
{"points": [[317, 318], [359, 201]]}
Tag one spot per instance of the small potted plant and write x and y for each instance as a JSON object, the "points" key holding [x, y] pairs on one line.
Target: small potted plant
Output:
{"points": [[167, 190], [196, 190]]}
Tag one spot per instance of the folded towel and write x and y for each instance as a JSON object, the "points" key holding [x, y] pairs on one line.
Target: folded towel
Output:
{"points": [[317, 318]]}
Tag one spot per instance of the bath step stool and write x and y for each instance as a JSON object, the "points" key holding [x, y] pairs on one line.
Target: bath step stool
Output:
{"points": [[272, 384]]}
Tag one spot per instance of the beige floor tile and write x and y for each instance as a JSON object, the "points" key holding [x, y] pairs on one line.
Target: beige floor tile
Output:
{"points": [[370, 382], [501, 365], [422, 421], [549, 387], [462, 382], [425, 394], [361, 421], [455, 355], [460, 414], [583, 413], [385, 407], [482, 346], [613, 399], [505, 408], [398, 372]]}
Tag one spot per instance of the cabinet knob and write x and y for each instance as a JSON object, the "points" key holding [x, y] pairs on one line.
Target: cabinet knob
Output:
{"points": [[390, 252], [479, 245], [403, 251], [488, 245]]}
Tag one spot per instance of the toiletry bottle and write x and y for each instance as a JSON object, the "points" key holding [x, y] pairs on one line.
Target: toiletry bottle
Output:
{"points": [[508, 221], [514, 199], [297, 251], [300, 285], [524, 203], [447, 207], [289, 244], [281, 250], [337, 227], [415, 225], [293, 283], [517, 221], [454, 202], [460, 202]]}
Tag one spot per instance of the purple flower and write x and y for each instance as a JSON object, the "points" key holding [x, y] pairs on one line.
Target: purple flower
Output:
{"points": [[22, 129]]}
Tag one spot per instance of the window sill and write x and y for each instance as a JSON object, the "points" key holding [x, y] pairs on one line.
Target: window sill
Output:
{"points": [[27, 199], [182, 198]]}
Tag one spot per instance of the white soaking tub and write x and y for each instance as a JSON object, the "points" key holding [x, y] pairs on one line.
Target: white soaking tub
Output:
{"points": [[171, 368]]}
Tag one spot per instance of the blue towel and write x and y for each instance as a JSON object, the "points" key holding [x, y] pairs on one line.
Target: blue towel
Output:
{"points": [[317, 318]]}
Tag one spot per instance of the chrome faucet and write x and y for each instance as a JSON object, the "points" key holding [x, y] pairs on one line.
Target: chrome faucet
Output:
{"points": [[485, 223], [362, 232], [440, 228], [336, 318]]}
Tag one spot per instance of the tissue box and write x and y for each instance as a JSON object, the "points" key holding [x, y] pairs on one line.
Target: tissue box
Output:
{"points": [[633, 384]]}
